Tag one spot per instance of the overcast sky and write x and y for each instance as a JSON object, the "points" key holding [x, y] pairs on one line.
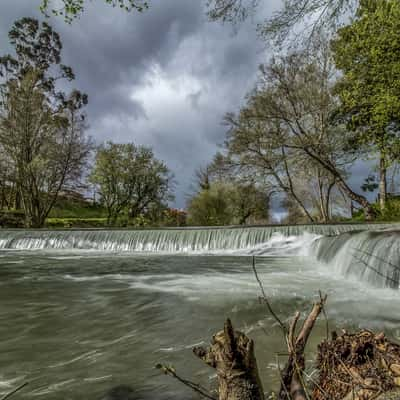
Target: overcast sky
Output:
{"points": [[164, 78]]}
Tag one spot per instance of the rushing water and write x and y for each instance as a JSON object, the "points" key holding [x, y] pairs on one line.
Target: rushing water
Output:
{"points": [[83, 311]]}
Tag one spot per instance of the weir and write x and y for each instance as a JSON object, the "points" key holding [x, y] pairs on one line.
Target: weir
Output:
{"points": [[368, 252], [167, 240], [372, 257]]}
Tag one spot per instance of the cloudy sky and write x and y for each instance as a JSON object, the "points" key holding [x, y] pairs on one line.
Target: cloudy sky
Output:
{"points": [[163, 78]]}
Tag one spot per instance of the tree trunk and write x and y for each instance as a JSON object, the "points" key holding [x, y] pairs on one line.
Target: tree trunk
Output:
{"points": [[232, 355], [382, 182], [322, 205], [364, 203], [328, 200], [358, 198], [292, 380]]}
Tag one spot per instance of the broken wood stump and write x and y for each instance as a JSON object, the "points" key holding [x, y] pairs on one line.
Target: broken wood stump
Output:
{"points": [[232, 355]]}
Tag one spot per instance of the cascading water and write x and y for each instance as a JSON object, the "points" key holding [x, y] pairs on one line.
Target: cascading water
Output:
{"points": [[168, 240], [369, 252], [369, 256]]}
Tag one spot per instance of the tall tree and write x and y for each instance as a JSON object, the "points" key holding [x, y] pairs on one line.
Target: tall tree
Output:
{"points": [[41, 128], [287, 118], [71, 9], [130, 179], [367, 52], [47, 148]]}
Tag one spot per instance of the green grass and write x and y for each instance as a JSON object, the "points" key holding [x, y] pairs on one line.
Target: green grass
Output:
{"points": [[77, 210], [76, 213]]}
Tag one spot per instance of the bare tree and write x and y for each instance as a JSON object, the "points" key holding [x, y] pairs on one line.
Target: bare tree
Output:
{"points": [[288, 119], [311, 17]]}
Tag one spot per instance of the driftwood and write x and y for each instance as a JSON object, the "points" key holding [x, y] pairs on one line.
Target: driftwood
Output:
{"points": [[361, 366], [293, 385], [232, 355]]}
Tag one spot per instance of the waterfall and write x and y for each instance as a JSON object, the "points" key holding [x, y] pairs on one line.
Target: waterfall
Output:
{"points": [[368, 252], [166, 240], [372, 256]]}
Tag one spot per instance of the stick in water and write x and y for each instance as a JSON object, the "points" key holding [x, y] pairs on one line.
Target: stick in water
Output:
{"points": [[8, 395]]}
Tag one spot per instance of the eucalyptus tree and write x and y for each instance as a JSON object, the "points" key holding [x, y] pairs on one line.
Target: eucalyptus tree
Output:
{"points": [[367, 52], [41, 127], [130, 179]]}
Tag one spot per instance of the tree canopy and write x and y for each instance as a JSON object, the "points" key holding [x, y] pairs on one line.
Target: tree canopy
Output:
{"points": [[41, 127], [71, 9], [367, 52], [130, 179]]}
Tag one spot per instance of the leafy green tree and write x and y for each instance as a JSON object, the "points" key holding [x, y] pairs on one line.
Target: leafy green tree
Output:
{"points": [[130, 179], [210, 207], [228, 203], [367, 52], [37, 47], [71, 9], [41, 128]]}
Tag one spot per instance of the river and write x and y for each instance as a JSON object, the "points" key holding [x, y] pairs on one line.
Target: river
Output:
{"points": [[83, 311]]}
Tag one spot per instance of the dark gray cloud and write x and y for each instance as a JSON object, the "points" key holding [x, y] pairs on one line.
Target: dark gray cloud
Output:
{"points": [[163, 78]]}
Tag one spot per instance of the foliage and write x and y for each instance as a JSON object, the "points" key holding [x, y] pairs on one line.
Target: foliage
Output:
{"points": [[130, 179], [76, 222], [228, 204], [174, 217], [37, 47], [12, 219], [76, 207], [41, 129], [391, 212], [286, 129], [367, 52], [210, 207], [71, 9]]}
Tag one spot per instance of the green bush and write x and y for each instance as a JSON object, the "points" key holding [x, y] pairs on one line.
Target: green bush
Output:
{"points": [[76, 222], [391, 211]]}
